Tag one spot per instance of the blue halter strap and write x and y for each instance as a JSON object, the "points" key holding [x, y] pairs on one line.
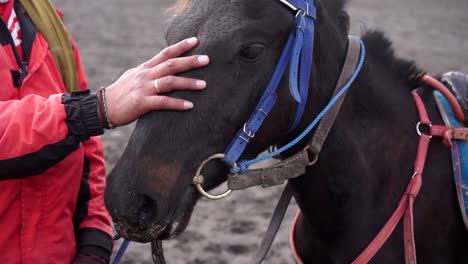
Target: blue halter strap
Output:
{"points": [[298, 53]]}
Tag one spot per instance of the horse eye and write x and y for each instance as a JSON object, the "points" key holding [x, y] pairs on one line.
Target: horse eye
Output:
{"points": [[252, 52]]}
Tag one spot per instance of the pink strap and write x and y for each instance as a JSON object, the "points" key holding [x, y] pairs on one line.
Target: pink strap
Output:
{"points": [[423, 117], [447, 94], [387, 230], [292, 243], [405, 206]]}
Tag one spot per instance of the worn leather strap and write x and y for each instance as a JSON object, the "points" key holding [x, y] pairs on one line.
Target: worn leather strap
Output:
{"points": [[275, 224], [270, 176], [326, 124]]}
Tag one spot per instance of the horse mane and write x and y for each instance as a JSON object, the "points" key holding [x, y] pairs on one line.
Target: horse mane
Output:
{"points": [[381, 49]]}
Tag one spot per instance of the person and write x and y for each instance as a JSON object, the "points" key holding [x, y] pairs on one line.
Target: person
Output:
{"points": [[52, 174]]}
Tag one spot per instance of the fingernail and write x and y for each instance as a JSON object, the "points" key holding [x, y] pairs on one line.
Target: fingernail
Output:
{"points": [[192, 40], [201, 84], [188, 105], [203, 59]]}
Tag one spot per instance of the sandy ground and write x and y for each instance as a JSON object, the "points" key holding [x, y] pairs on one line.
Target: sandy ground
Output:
{"points": [[114, 35]]}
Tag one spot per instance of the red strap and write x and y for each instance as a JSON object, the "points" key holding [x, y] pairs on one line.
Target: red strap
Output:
{"points": [[423, 117], [439, 131], [405, 206], [292, 242], [423, 146], [447, 94], [410, 245]]}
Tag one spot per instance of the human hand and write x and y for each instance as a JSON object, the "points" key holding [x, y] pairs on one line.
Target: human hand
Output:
{"points": [[139, 90]]}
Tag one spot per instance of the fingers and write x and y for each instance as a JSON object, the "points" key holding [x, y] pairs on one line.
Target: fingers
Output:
{"points": [[177, 65], [172, 52], [170, 83], [167, 103]]}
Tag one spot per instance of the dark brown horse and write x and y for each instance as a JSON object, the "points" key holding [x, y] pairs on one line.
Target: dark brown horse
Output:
{"points": [[363, 169]]}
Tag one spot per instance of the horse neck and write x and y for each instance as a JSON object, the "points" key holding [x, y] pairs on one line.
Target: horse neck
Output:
{"points": [[353, 186]]}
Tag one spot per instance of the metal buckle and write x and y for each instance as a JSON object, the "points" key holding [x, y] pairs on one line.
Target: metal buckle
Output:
{"points": [[307, 12], [249, 134]]}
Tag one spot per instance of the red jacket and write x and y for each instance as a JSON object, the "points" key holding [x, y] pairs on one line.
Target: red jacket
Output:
{"points": [[52, 177]]}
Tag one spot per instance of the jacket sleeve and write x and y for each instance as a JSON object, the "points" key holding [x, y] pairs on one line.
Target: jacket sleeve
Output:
{"points": [[92, 220], [36, 132]]}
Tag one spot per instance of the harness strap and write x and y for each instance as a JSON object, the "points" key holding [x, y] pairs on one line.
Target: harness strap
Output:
{"points": [[325, 125], [275, 224], [276, 174], [405, 206], [447, 94]]}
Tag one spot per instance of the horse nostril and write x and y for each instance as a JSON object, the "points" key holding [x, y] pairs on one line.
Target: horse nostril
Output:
{"points": [[147, 211]]}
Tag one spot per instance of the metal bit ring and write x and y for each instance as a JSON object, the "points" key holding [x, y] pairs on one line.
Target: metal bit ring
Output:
{"points": [[198, 180]]}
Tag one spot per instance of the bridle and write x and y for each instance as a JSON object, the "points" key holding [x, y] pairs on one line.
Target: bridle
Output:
{"points": [[298, 55]]}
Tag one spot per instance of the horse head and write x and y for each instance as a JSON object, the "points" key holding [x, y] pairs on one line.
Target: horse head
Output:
{"points": [[150, 194]]}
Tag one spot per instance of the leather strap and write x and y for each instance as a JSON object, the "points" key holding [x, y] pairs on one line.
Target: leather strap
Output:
{"points": [[328, 120], [274, 225], [273, 175], [157, 252]]}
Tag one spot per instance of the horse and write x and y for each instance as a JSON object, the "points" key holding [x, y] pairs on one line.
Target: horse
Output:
{"points": [[361, 173]]}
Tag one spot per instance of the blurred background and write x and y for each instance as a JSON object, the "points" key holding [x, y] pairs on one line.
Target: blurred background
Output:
{"points": [[115, 35]]}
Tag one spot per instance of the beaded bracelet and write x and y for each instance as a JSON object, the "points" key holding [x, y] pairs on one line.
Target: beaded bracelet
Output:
{"points": [[102, 109]]}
